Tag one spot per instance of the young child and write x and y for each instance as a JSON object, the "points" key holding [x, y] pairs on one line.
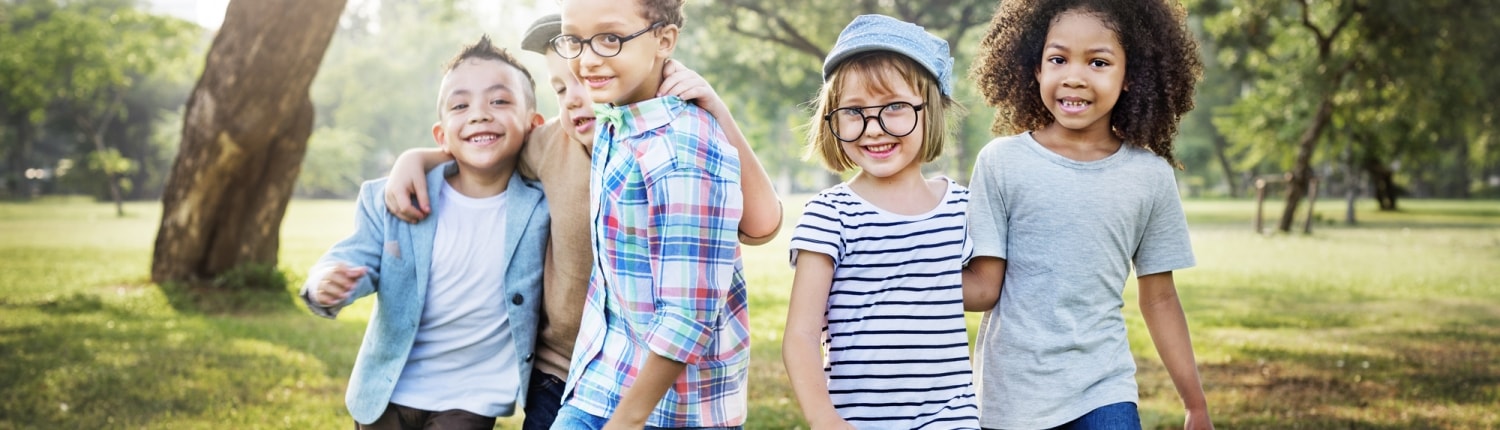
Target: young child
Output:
{"points": [[451, 338], [878, 259], [664, 340], [1063, 211], [557, 154]]}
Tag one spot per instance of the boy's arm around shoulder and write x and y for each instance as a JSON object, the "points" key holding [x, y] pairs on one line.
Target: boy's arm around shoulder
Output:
{"points": [[363, 249]]}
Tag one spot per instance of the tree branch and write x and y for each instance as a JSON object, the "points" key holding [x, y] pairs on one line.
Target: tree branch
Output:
{"points": [[790, 37]]}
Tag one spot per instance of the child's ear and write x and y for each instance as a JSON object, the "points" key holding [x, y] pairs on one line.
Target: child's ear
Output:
{"points": [[440, 136], [667, 43], [537, 120]]}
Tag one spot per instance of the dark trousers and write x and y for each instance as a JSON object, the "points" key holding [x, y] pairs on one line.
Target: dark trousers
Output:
{"points": [[543, 399], [397, 417]]}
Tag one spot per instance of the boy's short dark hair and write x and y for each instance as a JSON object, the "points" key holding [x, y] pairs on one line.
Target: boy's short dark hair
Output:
{"points": [[484, 50], [663, 11]]}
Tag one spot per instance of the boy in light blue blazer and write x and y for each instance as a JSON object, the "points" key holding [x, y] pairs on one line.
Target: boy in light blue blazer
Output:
{"points": [[450, 343]]}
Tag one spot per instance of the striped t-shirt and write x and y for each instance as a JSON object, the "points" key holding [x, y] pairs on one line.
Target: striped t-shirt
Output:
{"points": [[897, 351]]}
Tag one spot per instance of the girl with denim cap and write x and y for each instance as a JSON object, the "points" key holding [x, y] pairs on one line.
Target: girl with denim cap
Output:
{"points": [[875, 332]]}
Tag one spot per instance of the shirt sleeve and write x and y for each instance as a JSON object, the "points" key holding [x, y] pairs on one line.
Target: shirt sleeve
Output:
{"points": [[819, 230], [363, 248], [989, 220], [1165, 245], [695, 217]]}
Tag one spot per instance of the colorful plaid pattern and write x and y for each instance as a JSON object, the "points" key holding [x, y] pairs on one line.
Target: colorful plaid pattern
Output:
{"points": [[665, 203]]}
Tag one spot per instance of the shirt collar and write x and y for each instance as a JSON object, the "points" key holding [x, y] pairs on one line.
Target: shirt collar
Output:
{"points": [[635, 118]]}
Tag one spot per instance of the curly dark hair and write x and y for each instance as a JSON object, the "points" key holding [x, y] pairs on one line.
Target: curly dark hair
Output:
{"points": [[1161, 67]]}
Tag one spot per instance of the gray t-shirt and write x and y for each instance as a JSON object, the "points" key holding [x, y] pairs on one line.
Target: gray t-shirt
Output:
{"points": [[1055, 346]]}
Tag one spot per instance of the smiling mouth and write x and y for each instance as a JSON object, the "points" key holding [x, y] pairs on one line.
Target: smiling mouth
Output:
{"points": [[483, 138], [1073, 105], [881, 149]]}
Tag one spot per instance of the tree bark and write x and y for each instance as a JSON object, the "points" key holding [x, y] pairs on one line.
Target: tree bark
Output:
{"points": [[1296, 187], [1221, 153], [244, 134]]}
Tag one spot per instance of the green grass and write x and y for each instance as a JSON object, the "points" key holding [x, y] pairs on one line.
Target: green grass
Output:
{"points": [[1391, 324]]}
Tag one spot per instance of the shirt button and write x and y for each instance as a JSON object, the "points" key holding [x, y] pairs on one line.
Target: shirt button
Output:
{"points": [[528, 358], [517, 299]]}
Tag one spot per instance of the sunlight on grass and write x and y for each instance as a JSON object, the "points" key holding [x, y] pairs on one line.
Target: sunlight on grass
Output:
{"points": [[1394, 323]]}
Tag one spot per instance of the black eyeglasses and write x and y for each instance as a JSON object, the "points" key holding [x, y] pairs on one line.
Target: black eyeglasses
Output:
{"points": [[896, 119], [570, 46]]}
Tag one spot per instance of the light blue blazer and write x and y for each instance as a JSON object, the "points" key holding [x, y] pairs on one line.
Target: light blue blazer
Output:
{"points": [[399, 258]]}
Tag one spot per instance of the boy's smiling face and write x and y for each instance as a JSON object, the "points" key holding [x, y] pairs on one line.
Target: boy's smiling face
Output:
{"points": [[483, 115], [634, 74]]}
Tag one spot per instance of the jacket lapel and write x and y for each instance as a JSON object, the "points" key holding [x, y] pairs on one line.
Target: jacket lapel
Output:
{"points": [[523, 200], [424, 232]]}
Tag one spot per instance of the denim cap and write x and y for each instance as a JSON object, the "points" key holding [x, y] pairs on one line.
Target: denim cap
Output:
{"points": [[883, 33], [539, 35]]}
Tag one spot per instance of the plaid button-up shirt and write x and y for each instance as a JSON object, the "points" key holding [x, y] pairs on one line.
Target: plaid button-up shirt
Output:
{"points": [[665, 203]]}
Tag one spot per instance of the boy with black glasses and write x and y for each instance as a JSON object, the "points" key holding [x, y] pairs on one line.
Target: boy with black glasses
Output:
{"points": [[664, 341]]}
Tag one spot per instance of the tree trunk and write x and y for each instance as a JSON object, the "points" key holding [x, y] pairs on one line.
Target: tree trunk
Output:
{"points": [[244, 134], [1296, 187], [1384, 183], [1221, 149]]}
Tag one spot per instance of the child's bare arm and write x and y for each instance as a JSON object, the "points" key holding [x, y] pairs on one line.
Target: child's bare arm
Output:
{"points": [[657, 374], [983, 279], [408, 180], [1162, 311], [762, 217], [801, 345]]}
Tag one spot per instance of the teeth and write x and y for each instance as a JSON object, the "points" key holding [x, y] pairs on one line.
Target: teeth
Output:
{"points": [[482, 138], [880, 148], [1074, 103]]}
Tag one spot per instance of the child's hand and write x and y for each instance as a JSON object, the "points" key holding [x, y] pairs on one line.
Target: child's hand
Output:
{"points": [[678, 80], [407, 179], [1198, 420], [336, 285]]}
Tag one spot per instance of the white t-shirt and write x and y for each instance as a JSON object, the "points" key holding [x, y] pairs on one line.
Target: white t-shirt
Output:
{"points": [[464, 357], [895, 339], [1055, 347]]}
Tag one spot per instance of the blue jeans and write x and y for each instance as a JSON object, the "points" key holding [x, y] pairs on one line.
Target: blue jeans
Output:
{"points": [[1118, 416], [572, 418], [543, 399]]}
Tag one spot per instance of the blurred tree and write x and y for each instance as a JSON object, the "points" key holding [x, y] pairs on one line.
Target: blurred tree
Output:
{"points": [[86, 71], [244, 135], [1395, 79]]}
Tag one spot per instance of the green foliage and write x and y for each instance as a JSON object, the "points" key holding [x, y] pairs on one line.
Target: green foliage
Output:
{"points": [[333, 164], [75, 71], [1406, 86]]}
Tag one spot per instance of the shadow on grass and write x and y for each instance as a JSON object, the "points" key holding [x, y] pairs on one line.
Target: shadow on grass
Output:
{"points": [[1441, 378], [82, 361]]}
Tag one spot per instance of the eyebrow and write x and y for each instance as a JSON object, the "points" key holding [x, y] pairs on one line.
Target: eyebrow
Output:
{"points": [[1102, 49]]}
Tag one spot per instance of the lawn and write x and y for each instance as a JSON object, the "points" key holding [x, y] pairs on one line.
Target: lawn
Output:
{"points": [[1391, 324]]}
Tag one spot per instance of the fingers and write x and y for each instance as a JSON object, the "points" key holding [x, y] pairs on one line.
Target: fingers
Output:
{"points": [[337, 285], [421, 193]]}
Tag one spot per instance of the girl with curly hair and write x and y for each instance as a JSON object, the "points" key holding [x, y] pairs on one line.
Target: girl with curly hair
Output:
{"points": [[1062, 212]]}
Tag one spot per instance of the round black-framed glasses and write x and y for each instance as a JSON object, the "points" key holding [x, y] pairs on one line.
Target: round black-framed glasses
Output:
{"points": [[896, 119], [569, 46]]}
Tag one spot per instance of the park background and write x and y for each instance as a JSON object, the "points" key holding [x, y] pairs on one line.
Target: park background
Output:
{"points": [[1376, 305]]}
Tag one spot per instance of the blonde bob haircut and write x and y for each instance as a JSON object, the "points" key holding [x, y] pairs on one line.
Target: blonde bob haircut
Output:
{"points": [[878, 68]]}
